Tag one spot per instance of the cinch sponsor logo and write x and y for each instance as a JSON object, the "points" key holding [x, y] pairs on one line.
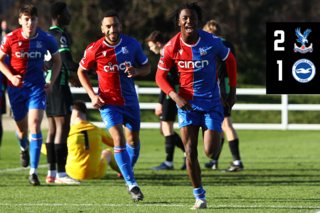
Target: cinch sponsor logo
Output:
{"points": [[193, 64], [23, 54], [116, 67]]}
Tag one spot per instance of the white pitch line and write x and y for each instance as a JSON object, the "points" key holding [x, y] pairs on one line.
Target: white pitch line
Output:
{"points": [[21, 168], [161, 205]]}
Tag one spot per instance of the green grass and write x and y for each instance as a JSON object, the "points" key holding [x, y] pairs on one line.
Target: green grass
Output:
{"points": [[281, 175]]}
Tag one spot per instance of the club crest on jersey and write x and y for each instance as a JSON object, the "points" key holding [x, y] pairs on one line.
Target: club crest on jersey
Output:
{"points": [[203, 51], [63, 40], [302, 39], [303, 70], [104, 53], [39, 45], [125, 50]]}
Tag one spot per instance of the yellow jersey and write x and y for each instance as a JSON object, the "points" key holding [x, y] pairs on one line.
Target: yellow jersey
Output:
{"points": [[84, 150]]}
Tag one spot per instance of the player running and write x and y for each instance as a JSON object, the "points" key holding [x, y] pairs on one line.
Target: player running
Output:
{"points": [[166, 108], [227, 127], [114, 57], [194, 51], [59, 102], [27, 89]]}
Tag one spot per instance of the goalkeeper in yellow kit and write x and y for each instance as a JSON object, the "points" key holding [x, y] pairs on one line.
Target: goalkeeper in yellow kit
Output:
{"points": [[86, 160]]}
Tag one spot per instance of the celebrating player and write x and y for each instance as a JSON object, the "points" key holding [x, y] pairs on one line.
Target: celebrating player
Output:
{"points": [[115, 56], [193, 52], [27, 89], [166, 108], [227, 127], [59, 102]]}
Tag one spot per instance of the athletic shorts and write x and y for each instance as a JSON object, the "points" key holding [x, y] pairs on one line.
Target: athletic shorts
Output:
{"points": [[207, 114], [169, 110], [26, 98], [60, 101], [127, 115]]}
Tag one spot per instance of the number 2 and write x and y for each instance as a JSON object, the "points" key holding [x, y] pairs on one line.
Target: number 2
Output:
{"points": [[277, 41], [86, 139]]}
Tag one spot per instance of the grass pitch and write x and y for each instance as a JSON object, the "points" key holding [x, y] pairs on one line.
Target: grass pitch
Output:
{"points": [[282, 174]]}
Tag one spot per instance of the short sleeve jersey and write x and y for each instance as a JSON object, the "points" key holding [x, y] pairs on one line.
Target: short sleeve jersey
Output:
{"points": [[27, 55], [115, 88], [84, 149], [63, 45], [196, 65]]}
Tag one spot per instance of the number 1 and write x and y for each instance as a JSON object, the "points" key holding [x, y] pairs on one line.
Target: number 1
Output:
{"points": [[86, 139], [279, 62]]}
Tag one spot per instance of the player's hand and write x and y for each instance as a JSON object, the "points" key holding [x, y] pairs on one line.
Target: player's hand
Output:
{"points": [[130, 70], [182, 103], [158, 110], [231, 99], [15, 80], [48, 88], [97, 102], [74, 80]]}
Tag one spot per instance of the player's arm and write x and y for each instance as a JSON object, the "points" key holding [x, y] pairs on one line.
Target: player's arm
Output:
{"points": [[107, 140], [68, 62], [96, 100], [55, 72], [15, 79], [232, 73]]}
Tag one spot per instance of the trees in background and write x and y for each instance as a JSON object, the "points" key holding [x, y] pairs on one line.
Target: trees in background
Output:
{"points": [[243, 23]]}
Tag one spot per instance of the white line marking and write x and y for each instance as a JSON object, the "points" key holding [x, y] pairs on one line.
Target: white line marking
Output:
{"points": [[21, 168], [162, 205]]}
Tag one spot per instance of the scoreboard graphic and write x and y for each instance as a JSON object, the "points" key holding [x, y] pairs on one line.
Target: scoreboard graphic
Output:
{"points": [[293, 58]]}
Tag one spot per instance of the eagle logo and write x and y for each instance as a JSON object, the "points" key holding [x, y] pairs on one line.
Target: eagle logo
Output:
{"points": [[303, 40]]}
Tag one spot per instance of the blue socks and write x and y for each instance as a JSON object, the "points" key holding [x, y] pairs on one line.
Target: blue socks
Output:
{"points": [[35, 149], [123, 160], [134, 153], [22, 142], [199, 193]]}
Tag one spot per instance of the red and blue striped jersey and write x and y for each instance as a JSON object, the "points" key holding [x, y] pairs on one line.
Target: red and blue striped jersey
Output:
{"points": [[115, 88], [27, 55], [196, 65]]}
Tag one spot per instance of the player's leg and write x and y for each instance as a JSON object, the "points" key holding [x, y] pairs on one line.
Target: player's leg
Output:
{"points": [[34, 120], [109, 156], [133, 145], [60, 143], [51, 157], [22, 136], [232, 137]]}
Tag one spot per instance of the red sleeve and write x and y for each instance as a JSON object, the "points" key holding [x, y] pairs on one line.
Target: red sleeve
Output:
{"points": [[231, 69], [5, 45], [162, 81], [88, 59]]}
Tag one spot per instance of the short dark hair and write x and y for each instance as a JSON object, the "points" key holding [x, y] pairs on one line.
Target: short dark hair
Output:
{"points": [[56, 8], [29, 10], [80, 106], [109, 14], [213, 27], [155, 36], [193, 6]]}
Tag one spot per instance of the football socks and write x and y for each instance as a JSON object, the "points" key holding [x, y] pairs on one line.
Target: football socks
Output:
{"points": [[22, 142], [123, 160], [61, 151], [234, 148], [51, 156], [199, 193], [170, 144], [35, 149], [133, 152]]}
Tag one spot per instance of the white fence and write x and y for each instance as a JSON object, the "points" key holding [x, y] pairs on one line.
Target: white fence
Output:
{"points": [[284, 107]]}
